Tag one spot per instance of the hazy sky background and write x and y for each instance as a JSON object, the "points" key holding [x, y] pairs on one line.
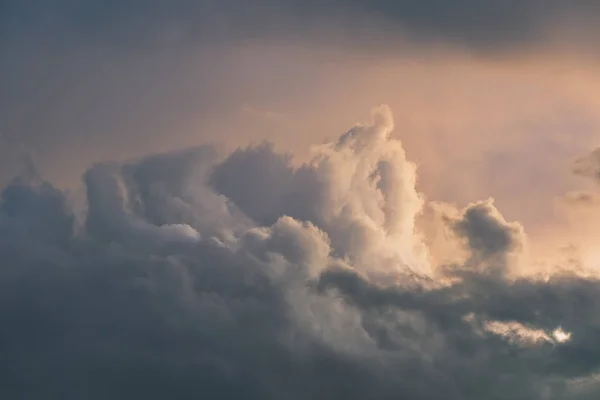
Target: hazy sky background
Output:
{"points": [[136, 259], [491, 98]]}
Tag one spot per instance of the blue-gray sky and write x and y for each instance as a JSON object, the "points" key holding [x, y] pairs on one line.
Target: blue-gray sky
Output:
{"points": [[486, 23]]}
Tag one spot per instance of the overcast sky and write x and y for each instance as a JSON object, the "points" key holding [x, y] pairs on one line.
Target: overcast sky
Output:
{"points": [[299, 199]]}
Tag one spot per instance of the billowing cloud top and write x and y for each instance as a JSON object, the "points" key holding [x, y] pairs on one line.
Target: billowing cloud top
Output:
{"points": [[197, 276]]}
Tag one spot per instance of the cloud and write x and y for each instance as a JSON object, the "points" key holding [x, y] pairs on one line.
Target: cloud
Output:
{"points": [[588, 166], [581, 198], [360, 190], [489, 238], [478, 24], [251, 276], [134, 96]]}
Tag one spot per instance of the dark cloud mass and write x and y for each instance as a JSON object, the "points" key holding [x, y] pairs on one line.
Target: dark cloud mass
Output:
{"points": [[471, 22], [193, 276]]}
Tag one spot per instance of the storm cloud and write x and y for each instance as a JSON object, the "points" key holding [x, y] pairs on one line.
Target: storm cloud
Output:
{"points": [[197, 275], [477, 24]]}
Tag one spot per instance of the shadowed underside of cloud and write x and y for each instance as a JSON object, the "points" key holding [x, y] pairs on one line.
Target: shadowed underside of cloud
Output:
{"points": [[194, 276]]}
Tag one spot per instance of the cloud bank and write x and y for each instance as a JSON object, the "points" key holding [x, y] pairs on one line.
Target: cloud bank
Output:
{"points": [[478, 24], [192, 275]]}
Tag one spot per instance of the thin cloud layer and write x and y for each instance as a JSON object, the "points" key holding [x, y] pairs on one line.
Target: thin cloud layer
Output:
{"points": [[194, 276], [588, 166]]}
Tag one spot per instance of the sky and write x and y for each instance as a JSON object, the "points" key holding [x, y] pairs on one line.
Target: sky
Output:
{"points": [[299, 199]]}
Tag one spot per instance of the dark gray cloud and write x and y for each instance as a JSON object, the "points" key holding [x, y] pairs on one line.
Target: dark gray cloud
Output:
{"points": [[471, 22], [485, 233], [168, 287], [489, 238]]}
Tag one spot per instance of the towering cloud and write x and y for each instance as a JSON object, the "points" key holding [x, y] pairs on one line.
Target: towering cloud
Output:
{"points": [[249, 276], [360, 190]]}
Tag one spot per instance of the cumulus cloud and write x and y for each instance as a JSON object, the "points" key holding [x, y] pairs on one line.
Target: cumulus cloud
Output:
{"points": [[193, 275], [360, 190], [490, 239]]}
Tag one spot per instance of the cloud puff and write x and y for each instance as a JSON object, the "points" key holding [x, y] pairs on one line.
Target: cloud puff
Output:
{"points": [[488, 237], [486, 231], [247, 276]]}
